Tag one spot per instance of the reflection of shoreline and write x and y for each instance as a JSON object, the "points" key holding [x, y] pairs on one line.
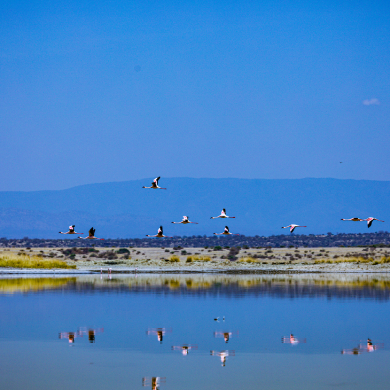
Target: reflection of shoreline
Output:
{"points": [[24, 285], [291, 286]]}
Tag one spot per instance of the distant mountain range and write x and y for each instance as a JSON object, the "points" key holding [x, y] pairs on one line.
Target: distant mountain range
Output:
{"points": [[261, 207]]}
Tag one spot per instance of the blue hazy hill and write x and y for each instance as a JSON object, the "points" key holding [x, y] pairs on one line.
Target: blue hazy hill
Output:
{"points": [[261, 207]]}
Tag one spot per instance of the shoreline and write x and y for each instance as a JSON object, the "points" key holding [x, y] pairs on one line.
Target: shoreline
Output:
{"points": [[208, 260], [186, 271]]}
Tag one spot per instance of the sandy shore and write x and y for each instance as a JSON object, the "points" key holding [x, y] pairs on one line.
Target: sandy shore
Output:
{"points": [[211, 260]]}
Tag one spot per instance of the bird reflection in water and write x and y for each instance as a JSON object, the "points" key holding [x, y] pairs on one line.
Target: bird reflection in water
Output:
{"points": [[292, 340], [226, 335], [363, 348], [185, 348], [90, 332], [223, 355], [160, 332], [153, 382], [71, 336]]}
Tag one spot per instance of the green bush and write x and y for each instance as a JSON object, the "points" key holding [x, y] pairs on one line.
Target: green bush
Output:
{"points": [[122, 250]]}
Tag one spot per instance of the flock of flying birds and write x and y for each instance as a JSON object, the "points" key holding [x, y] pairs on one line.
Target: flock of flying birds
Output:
{"points": [[185, 220]]}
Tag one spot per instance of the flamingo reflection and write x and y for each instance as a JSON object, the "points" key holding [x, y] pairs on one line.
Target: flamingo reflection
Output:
{"points": [[153, 382], [292, 340], [90, 332], [223, 355], [160, 332], [185, 348], [71, 336], [226, 335]]}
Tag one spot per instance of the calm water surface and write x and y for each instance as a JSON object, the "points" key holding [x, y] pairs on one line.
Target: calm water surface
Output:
{"points": [[158, 331]]}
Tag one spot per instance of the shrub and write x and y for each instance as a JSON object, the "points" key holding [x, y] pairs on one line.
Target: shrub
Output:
{"points": [[174, 259], [109, 255], [217, 248], [122, 251], [189, 259]]}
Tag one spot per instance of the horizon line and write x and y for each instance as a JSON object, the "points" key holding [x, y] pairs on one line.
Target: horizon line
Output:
{"points": [[194, 178]]}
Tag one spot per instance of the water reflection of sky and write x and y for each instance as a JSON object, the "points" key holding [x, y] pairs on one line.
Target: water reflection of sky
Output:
{"points": [[124, 353]]}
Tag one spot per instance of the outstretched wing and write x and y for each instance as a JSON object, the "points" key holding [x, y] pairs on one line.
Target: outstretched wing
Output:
{"points": [[226, 229], [160, 230], [91, 232], [369, 223], [156, 180]]}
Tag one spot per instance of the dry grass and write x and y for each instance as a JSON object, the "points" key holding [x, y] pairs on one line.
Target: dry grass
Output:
{"points": [[359, 259], [174, 259], [25, 261], [190, 259], [248, 259]]}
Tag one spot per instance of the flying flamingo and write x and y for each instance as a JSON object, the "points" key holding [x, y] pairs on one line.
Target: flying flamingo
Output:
{"points": [[226, 231], [155, 184], [185, 220], [185, 348], [369, 346], [159, 332], [153, 382], [362, 348], [292, 340], [370, 220], [292, 227], [226, 335], [223, 355], [159, 233], [70, 336], [223, 215], [91, 235], [70, 231], [353, 219]]}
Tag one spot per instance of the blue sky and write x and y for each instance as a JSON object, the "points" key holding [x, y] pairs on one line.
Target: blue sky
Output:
{"points": [[110, 91]]}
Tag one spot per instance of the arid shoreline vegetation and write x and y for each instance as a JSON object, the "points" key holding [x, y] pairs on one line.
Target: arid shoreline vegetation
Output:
{"points": [[13, 260], [278, 241], [235, 259]]}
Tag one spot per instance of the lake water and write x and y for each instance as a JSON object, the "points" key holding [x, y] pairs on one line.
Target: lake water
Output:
{"points": [[158, 331]]}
